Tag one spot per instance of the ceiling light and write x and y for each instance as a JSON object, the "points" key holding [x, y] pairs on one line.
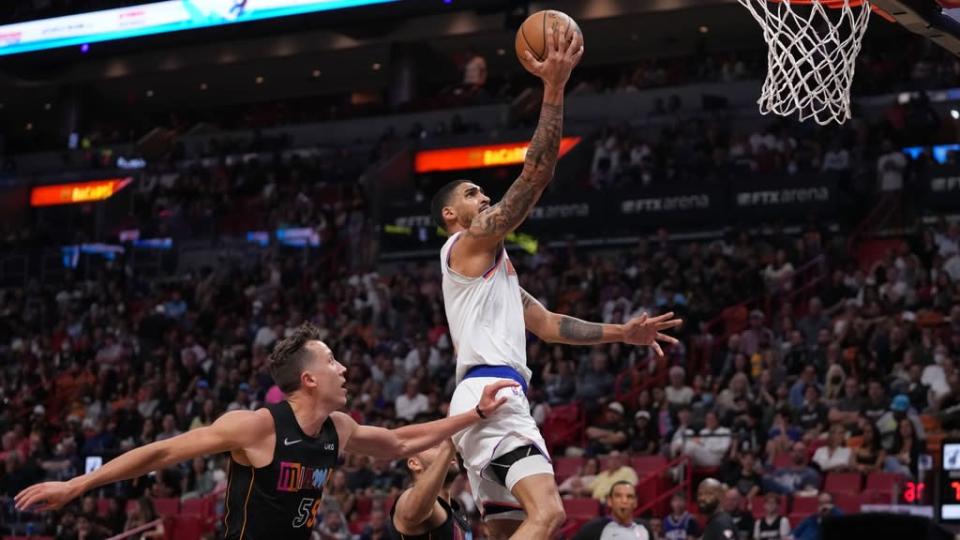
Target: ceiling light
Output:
{"points": [[316, 73], [259, 79], [47, 106], [501, 52], [203, 86], [149, 93], [29, 126], [376, 66], [955, 114], [704, 29]]}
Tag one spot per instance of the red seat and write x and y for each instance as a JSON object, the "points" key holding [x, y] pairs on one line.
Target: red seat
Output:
{"points": [[883, 483], [363, 507], [849, 503], [565, 467], [842, 483], [581, 508], [564, 426], [356, 526], [645, 464], [195, 507], [758, 510], [184, 528], [796, 518], [103, 507], [167, 507], [804, 506]]}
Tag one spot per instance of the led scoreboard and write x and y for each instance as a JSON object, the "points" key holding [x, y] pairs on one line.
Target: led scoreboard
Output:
{"points": [[950, 482]]}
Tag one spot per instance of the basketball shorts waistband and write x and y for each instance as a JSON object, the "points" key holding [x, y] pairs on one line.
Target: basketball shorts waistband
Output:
{"points": [[499, 372]]}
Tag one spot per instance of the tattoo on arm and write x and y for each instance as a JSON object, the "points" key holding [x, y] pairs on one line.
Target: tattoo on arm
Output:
{"points": [[538, 167], [579, 331], [527, 299]]}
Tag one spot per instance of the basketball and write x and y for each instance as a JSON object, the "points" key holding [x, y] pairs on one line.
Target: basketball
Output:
{"points": [[533, 32]]}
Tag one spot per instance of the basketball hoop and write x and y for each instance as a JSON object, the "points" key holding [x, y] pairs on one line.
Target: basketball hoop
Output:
{"points": [[813, 47]]}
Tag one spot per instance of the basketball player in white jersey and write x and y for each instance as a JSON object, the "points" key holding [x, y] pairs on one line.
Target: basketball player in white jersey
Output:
{"points": [[506, 459]]}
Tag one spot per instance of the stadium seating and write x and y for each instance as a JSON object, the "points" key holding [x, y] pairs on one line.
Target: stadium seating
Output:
{"points": [[837, 482]]}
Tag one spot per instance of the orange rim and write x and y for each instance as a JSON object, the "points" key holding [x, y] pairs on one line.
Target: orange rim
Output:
{"points": [[838, 4], [833, 4]]}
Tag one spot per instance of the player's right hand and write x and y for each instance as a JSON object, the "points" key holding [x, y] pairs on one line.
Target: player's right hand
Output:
{"points": [[488, 400], [46, 496], [563, 54]]}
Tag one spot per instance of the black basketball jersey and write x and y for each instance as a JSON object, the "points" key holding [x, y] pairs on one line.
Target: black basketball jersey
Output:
{"points": [[282, 499], [768, 531], [456, 527]]}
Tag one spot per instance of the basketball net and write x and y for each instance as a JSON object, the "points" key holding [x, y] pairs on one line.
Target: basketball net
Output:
{"points": [[813, 47]]}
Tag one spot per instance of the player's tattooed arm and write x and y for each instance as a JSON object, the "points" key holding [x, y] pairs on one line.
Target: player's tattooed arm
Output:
{"points": [[556, 328], [577, 331], [538, 167]]}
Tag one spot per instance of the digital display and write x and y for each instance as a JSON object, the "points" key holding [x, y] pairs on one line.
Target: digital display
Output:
{"points": [[950, 481], [76, 192], [154, 18], [478, 157]]}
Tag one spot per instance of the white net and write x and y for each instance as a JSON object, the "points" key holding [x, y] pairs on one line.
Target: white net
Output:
{"points": [[813, 47]]}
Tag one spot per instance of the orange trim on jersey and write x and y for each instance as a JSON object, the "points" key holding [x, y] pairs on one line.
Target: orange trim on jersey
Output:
{"points": [[226, 515], [253, 473], [496, 263]]}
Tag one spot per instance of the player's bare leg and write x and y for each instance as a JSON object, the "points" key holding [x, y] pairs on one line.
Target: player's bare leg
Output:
{"points": [[501, 529], [540, 498]]}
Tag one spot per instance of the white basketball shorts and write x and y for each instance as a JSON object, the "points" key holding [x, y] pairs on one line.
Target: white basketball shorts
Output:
{"points": [[509, 428]]}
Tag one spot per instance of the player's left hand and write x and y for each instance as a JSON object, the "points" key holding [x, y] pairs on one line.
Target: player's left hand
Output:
{"points": [[646, 330], [488, 400], [46, 496]]}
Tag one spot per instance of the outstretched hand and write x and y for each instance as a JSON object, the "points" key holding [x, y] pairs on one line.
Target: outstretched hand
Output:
{"points": [[563, 52], [646, 330], [488, 400], [45, 496]]}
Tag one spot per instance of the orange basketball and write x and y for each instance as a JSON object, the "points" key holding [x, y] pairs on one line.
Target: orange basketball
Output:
{"points": [[532, 33]]}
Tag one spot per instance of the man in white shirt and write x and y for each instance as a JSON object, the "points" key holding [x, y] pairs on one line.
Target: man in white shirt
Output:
{"points": [[622, 502], [710, 447], [411, 403], [833, 456], [890, 167]]}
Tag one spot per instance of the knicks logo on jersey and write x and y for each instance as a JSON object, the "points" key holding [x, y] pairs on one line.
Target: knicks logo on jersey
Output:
{"points": [[296, 477]]}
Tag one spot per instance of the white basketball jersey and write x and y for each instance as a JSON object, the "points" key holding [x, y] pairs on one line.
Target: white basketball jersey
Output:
{"points": [[485, 315]]}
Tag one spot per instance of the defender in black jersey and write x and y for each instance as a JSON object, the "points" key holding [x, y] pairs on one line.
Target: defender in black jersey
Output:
{"points": [[280, 456], [425, 511]]}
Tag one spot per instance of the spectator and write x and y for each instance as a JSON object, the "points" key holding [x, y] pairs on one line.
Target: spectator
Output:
{"points": [[847, 409], [475, 70], [809, 528], [622, 502], [169, 428], [682, 433], [905, 451], [561, 385], [889, 423], [616, 470], [798, 391], [876, 402], [643, 436], [815, 320], [594, 382], [711, 445], [757, 333], [772, 526], [411, 402], [610, 434], [333, 527], [139, 515], [376, 528], [581, 484], [795, 478], [869, 456], [890, 167], [680, 524], [835, 456], [744, 477], [811, 417], [678, 393], [732, 504], [782, 435]]}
